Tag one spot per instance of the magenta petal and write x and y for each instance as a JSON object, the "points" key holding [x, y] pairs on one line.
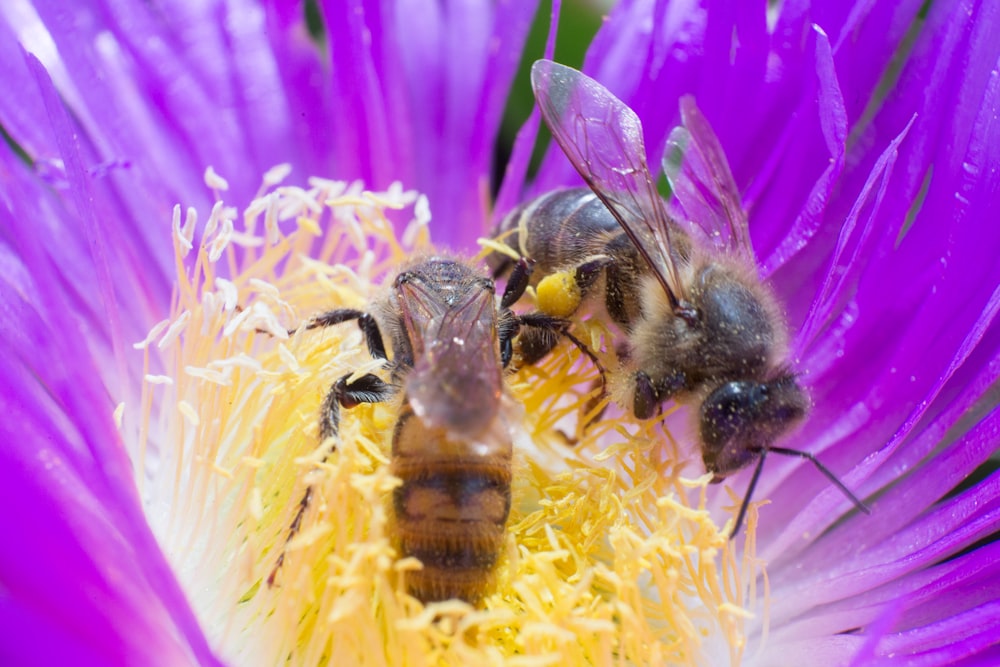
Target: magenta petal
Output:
{"points": [[869, 551], [949, 639], [85, 560], [833, 123], [421, 89], [83, 564], [987, 658], [513, 189]]}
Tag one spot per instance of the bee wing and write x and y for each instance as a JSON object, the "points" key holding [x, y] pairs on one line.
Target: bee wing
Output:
{"points": [[603, 140], [702, 184], [456, 379]]}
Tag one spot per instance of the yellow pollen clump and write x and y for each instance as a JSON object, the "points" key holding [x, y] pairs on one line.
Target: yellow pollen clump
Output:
{"points": [[558, 294], [611, 557]]}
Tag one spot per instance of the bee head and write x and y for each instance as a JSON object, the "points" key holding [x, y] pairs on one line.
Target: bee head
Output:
{"points": [[742, 418]]}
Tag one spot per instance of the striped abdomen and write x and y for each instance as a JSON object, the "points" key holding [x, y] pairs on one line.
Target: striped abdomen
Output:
{"points": [[450, 511], [563, 228]]}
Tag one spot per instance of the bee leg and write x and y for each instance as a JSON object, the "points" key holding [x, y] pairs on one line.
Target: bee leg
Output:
{"points": [[644, 402], [560, 294], [517, 282], [366, 389], [533, 345], [649, 396], [367, 324], [547, 330]]}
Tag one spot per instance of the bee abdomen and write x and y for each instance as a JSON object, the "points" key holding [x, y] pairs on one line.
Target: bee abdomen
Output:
{"points": [[562, 228], [450, 515]]}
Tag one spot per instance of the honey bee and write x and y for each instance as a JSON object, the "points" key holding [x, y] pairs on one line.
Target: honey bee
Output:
{"points": [[699, 325], [452, 442]]}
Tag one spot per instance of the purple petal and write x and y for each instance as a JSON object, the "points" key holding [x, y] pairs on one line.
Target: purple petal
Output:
{"points": [[902, 294], [947, 640], [512, 190], [422, 90], [84, 559]]}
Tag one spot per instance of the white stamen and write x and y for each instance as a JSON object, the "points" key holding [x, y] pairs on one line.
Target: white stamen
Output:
{"points": [[366, 266], [190, 220], [296, 201], [246, 240], [286, 355], [230, 295], [214, 181], [175, 330], [153, 333], [354, 231], [241, 360], [252, 212], [211, 304], [276, 174], [236, 323], [265, 288], [271, 219], [209, 375], [183, 241], [220, 242], [415, 228], [159, 379], [325, 189], [213, 220], [189, 413]]}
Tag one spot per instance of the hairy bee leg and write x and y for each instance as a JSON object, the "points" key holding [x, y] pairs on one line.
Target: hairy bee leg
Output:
{"points": [[517, 282], [648, 397], [367, 324], [509, 324], [534, 345], [644, 402], [366, 389], [556, 327], [560, 294]]}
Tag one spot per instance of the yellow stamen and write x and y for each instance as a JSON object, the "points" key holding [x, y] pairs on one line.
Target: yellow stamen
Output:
{"points": [[607, 561]]}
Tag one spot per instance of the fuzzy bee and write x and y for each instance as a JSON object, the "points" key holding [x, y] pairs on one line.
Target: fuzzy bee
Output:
{"points": [[452, 442], [699, 325]]}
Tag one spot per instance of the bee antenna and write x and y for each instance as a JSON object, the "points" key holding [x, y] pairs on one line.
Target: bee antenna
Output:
{"points": [[803, 455], [826, 471], [748, 495]]}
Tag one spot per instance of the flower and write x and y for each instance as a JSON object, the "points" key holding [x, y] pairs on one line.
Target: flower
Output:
{"points": [[863, 139]]}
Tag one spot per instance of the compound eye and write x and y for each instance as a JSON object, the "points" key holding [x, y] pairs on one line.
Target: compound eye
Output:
{"points": [[727, 410], [728, 423]]}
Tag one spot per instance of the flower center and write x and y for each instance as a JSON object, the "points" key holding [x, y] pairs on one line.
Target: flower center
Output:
{"points": [[609, 555]]}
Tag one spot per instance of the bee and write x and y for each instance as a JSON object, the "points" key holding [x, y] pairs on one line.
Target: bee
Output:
{"points": [[700, 327], [452, 442]]}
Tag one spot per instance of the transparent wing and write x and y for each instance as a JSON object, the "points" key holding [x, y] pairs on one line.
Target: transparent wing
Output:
{"points": [[702, 184], [603, 140], [456, 379]]}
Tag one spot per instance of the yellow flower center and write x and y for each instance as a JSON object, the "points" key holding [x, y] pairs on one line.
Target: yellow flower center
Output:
{"points": [[610, 557]]}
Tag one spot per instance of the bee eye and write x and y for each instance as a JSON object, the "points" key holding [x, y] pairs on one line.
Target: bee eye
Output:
{"points": [[725, 413]]}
